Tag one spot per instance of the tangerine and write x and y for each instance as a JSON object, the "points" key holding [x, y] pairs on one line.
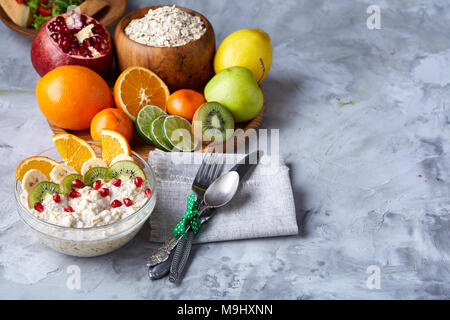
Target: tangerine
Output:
{"points": [[184, 103], [113, 119]]}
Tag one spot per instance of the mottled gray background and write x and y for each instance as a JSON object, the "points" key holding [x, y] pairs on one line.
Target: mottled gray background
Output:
{"points": [[364, 127]]}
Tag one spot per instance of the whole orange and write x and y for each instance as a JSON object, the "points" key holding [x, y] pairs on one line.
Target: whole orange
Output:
{"points": [[184, 103], [113, 119], [70, 96]]}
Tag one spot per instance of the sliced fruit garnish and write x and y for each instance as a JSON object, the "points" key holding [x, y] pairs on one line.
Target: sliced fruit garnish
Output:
{"points": [[137, 87], [68, 184], [92, 163], [95, 174], [43, 164], [121, 157], [143, 120], [41, 191], [74, 151], [177, 133], [113, 144], [156, 133], [60, 172], [31, 179], [124, 170]]}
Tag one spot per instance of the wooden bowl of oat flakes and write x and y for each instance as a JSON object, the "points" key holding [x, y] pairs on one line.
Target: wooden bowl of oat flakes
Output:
{"points": [[176, 43]]}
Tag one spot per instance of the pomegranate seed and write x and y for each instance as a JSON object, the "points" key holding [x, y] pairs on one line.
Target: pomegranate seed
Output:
{"points": [[127, 202], [116, 182], [56, 198], [65, 44], [138, 181], [103, 192], [60, 20], [77, 183], [74, 51], [148, 192], [96, 185], [116, 204], [97, 29], [38, 206], [86, 42], [68, 209], [74, 194], [83, 19]]}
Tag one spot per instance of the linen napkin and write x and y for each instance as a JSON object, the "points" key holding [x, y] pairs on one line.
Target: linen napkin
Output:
{"points": [[262, 207]]}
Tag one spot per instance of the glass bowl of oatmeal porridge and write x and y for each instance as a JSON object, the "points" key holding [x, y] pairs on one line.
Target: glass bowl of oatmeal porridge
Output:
{"points": [[91, 239]]}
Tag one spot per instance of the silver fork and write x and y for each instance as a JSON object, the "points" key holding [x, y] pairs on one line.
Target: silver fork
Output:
{"points": [[205, 176], [160, 261]]}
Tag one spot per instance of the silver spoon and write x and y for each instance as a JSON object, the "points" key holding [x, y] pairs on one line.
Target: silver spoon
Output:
{"points": [[218, 194]]}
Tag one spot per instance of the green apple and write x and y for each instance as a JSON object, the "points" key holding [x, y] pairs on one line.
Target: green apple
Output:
{"points": [[236, 89]]}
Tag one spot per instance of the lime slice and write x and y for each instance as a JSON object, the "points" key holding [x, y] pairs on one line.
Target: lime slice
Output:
{"points": [[177, 133], [155, 133], [144, 117]]}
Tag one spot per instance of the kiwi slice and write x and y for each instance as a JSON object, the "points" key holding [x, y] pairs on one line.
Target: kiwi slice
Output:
{"points": [[41, 191], [213, 122], [124, 170], [66, 184], [94, 174]]}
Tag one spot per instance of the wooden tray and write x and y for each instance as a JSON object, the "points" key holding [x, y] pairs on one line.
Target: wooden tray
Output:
{"points": [[107, 16], [140, 147]]}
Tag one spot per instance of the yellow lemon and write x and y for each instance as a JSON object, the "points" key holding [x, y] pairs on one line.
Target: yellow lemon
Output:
{"points": [[248, 48]]}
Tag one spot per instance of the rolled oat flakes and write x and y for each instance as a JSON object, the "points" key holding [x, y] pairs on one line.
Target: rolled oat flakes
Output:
{"points": [[166, 26]]}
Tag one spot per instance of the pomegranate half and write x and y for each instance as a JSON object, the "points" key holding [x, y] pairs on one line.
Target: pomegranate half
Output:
{"points": [[72, 39]]}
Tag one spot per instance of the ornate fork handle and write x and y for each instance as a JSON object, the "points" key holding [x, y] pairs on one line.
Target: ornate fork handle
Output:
{"points": [[162, 254]]}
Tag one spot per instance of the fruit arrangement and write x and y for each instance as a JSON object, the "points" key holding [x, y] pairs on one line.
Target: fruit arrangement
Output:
{"points": [[50, 186], [72, 52]]}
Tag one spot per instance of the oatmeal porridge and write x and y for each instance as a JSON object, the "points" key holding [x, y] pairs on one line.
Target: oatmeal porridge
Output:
{"points": [[91, 207], [166, 26]]}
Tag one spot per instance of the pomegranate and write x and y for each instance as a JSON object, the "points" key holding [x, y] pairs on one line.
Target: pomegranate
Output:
{"points": [[38, 206], [127, 202], [56, 198], [116, 204], [104, 192], [138, 181], [68, 209], [72, 39], [97, 185], [77, 183], [74, 194], [116, 182]]}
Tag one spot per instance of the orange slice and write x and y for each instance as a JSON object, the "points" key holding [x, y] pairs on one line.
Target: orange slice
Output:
{"points": [[43, 164], [137, 87], [74, 151], [113, 144]]}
